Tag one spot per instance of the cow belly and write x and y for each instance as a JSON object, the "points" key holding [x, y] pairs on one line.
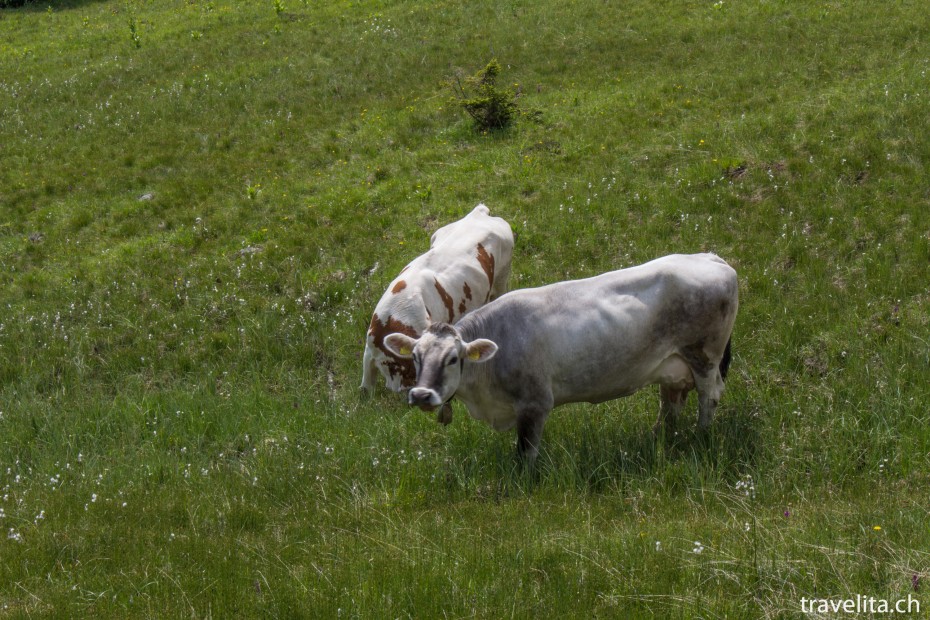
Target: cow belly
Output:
{"points": [[594, 392], [671, 371], [674, 372]]}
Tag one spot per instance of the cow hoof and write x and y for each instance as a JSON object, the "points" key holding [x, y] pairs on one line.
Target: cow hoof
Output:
{"points": [[444, 415]]}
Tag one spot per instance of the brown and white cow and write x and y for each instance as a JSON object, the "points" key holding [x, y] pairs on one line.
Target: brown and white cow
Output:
{"points": [[467, 265], [511, 362]]}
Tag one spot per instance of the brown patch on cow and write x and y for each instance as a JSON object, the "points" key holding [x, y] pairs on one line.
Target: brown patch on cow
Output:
{"points": [[378, 330], [462, 307], [401, 285], [467, 290], [487, 263], [446, 300]]}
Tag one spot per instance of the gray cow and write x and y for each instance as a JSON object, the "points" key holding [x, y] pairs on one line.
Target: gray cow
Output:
{"points": [[512, 361]]}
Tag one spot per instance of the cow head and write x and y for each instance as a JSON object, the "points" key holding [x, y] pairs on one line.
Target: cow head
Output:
{"points": [[439, 356]]}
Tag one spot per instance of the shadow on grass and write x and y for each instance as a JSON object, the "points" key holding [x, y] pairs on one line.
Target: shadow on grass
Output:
{"points": [[591, 455], [37, 6]]}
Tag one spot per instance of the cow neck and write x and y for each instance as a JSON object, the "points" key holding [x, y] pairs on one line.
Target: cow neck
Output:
{"points": [[470, 327]]}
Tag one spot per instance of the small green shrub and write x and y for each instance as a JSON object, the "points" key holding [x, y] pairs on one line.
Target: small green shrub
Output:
{"points": [[490, 106], [134, 32]]}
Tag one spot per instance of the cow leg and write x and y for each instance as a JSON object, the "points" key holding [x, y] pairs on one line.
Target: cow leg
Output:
{"points": [[672, 402], [530, 422], [501, 282], [709, 389], [369, 370]]}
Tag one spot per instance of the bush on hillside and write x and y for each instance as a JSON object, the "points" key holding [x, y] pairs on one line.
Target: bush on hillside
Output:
{"points": [[490, 106]]}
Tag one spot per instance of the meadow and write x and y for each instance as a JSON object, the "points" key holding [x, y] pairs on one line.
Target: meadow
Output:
{"points": [[201, 202]]}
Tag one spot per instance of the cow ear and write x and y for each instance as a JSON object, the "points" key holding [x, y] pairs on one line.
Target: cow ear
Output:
{"points": [[480, 350], [400, 345]]}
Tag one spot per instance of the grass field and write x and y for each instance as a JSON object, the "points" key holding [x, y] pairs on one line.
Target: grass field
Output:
{"points": [[202, 201]]}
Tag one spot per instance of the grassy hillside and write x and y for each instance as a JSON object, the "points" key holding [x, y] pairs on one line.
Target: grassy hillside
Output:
{"points": [[202, 202]]}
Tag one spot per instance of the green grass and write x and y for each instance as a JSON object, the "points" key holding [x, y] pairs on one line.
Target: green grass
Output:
{"points": [[180, 428]]}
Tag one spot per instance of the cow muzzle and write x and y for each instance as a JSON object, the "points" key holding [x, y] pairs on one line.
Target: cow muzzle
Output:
{"points": [[424, 398]]}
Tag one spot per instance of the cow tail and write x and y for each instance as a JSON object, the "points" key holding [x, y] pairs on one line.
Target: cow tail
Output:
{"points": [[725, 362]]}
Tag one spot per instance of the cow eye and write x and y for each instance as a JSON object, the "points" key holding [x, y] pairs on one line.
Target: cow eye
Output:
{"points": [[453, 360]]}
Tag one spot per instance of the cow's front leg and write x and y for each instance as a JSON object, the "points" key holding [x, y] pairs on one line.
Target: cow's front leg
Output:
{"points": [[369, 370], [530, 422]]}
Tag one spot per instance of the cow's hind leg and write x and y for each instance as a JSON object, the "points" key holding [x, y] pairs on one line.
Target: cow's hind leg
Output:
{"points": [[707, 380], [672, 401], [709, 389], [501, 283]]}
